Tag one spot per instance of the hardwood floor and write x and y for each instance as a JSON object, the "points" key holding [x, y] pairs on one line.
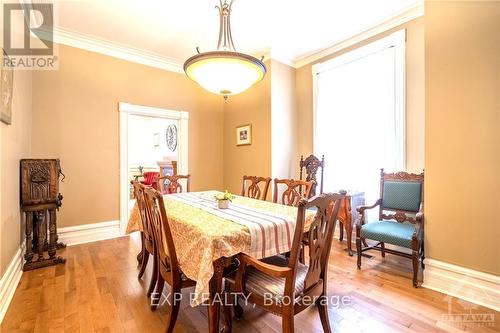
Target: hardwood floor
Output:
{"points": [[98, 291]]}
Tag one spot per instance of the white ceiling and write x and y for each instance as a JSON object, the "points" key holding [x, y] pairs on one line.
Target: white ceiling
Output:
{"points": [[173, 29]]}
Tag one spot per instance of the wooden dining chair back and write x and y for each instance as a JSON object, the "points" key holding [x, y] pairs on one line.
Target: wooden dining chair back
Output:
{"points": [[166, 257], [283, 285], [255, 187], [294, 191], [147, 237], [174, 184], [310, 165]]}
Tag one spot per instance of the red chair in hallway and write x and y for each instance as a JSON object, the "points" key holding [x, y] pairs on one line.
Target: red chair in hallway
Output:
{"points": [[150, 179]]}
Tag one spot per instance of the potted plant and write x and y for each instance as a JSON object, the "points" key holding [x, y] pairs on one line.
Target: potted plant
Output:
{"points": [[223, 199]]}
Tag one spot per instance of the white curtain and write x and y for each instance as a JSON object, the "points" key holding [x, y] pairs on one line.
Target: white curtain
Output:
{"points": [[359, 119]]}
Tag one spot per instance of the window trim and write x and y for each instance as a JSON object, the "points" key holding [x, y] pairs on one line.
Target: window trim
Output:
{"points": [[396, 40]]}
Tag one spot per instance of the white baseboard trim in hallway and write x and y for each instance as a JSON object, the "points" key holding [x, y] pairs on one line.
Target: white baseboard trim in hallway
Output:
{"points": [[10, 280], [470, 285], [87, 233]]}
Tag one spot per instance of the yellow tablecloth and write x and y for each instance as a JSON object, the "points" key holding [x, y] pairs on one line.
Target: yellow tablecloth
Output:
{"points": [[201, 238]]}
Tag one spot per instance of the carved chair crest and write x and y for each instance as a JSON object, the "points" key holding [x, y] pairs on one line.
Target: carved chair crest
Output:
{"points": [[294, 192], [170, 184], [311, 165], [254, 190]]}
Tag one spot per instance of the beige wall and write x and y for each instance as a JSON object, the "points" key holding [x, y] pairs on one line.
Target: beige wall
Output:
{"points": [[251, 107], [462, 133], [76, 119], [283, 121], [414, 100], [15, 144]]}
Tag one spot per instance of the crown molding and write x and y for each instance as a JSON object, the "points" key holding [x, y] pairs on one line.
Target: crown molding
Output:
{"points": [[406, 15], [141, 56], [112, 49]]}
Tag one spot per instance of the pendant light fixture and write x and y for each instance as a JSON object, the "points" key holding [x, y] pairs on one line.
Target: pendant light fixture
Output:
{"points": [[225, 71]]}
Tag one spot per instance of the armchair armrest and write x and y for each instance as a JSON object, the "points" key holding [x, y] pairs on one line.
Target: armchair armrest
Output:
{"points": [[361, 209], [268, 269], [272, 270]]}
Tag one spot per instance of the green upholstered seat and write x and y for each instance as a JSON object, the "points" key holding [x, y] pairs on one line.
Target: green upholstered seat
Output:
{"points": [[402, 196], [389, 232]]}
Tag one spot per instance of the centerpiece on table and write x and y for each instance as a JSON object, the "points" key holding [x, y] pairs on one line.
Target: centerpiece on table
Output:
{"points": [[223, 199]]}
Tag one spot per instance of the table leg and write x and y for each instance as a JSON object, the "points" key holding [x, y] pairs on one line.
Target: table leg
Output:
{"points": [[216, 296], [348, 230], [348, 225]]}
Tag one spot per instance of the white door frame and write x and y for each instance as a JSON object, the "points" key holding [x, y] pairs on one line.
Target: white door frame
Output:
{"points": [[126, 110]]}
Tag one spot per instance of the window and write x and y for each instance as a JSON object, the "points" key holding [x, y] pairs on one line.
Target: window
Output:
{"points": [[359, 115]]}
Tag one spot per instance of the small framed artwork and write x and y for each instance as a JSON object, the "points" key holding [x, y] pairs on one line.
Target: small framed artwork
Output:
{"points": [[244, 135], [6, 82]]}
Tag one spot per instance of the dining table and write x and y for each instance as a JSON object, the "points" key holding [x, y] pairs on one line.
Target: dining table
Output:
{"points": [[207, 238]]}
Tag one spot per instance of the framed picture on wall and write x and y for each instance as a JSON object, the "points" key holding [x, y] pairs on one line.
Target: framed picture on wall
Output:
{"points": [[6, 85], [244, 135]]}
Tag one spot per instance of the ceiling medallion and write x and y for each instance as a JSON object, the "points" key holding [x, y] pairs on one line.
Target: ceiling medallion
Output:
{"points": [[225, 71]]}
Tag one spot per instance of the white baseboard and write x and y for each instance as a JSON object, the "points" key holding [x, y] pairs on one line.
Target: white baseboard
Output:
{"points": [[470, 285], [70, 236], [87, 233], [10, 280]]}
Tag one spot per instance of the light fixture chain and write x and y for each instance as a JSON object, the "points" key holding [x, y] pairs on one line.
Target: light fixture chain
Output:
{"points": [[225, 36]]}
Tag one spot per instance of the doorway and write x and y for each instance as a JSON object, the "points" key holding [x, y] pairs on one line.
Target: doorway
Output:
{"points": [[149, 137]]}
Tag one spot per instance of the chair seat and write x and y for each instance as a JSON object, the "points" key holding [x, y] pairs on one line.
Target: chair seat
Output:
{"points": [[262, 284], [394, 233]]}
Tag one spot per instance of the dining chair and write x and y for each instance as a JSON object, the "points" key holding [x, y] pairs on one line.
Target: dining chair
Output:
{"points": [[166, 258], [171, 184], [147, 238], [311, 164], [401, 219], [149, 178], [258, 187], [294, 191], [282, 285]]}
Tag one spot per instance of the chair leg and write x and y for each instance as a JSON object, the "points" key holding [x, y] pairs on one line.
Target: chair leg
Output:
{"points": [[358, 249], [144, 262], [287, 321], [341, 235], [323, 314], [382, 246], [158, 292], [414, 258], [154, 276], [174, 309]]}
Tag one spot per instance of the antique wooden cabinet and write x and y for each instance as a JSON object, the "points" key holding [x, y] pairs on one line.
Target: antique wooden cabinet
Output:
{"points": [[40, 198]]}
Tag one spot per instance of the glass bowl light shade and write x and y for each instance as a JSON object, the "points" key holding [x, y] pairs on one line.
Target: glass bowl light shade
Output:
{"points": [[225, 72]]}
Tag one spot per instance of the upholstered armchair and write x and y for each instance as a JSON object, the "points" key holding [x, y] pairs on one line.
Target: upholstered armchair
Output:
{"points": [[401, 219]]}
